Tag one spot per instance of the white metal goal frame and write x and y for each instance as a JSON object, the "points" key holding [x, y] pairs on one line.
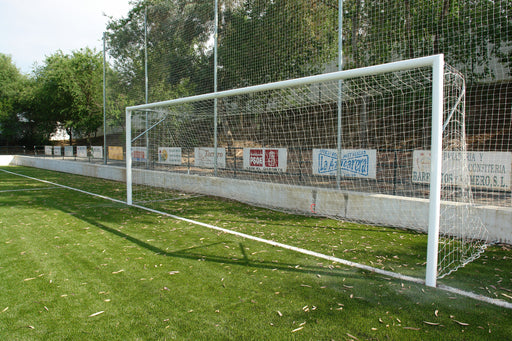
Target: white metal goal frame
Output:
{"points": [[437, 65]]}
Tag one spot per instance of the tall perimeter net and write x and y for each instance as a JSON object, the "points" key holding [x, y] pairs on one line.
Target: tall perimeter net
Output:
{"points": [[355, 148]]}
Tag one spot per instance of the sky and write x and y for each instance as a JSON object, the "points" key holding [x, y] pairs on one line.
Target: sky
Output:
{"points": [[31, 30]]}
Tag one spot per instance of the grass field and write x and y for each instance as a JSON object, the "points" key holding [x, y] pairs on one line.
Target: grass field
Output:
{"points": [[76, 267]]}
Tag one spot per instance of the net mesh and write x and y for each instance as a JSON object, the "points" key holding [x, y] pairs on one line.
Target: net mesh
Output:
{"points": [[272, 143]]}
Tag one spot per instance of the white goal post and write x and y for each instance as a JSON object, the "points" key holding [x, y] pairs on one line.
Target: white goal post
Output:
{"points": [[437, 67]]}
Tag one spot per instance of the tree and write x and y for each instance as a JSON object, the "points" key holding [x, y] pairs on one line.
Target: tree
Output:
{"points": [[22, 118], [69, 91], [178, 54], [87, 88], [472, 34], [36, 128], [11, 83], [263, 41]]}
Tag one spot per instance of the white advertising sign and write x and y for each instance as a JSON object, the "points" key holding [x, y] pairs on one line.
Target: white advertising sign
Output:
{"points": [[48, 150], [97, 152], [205, 157], [57, 150], [139, 154], [170, 156], [266, 159], [490, 170], [356, 163], [68, 150], [81, 151]]}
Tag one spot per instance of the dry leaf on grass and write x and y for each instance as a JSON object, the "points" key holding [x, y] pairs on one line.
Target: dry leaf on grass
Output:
{"points": [[461, 323], [352, 336], [96, 314], [432, 323]]}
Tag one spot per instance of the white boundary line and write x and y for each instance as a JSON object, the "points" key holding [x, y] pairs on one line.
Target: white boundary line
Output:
{"points": [[446, 288]]}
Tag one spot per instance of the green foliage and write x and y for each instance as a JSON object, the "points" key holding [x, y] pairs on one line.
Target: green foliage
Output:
{"points": [[11, 84], [38, 126], [10, 79], [264, 41], [470, 33], [177, 36], [69, 90]]}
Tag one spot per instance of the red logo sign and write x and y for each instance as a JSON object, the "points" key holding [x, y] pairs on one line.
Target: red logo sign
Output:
{"points": [[271, 158], [256, 157], [138, 154]]}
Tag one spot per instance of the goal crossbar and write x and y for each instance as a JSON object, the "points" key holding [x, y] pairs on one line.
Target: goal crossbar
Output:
{"points": [[403, 65]]}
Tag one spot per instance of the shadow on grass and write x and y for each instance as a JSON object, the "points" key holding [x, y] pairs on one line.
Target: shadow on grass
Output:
{"points": [[243, 261]]}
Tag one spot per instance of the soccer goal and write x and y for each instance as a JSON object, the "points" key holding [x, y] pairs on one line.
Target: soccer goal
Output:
{"points": [[380, 145]]}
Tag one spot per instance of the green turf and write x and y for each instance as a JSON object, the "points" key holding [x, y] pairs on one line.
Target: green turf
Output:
{"points": [[78, 267]]}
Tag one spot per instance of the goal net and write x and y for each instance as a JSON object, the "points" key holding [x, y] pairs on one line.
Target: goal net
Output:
{"points": [[378, 145]]}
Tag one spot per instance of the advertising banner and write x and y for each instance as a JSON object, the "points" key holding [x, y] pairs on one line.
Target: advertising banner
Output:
{"points": [[81, 151], [355, 163], [266, 159], [48, 150], [97, 152], [491, 170], [205, 157], [169, 155], [139, 154], [68, 151], [57, 150], [115, 153]]}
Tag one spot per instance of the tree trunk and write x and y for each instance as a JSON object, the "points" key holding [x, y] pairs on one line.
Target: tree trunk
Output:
{"points": [[70, 133]]}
